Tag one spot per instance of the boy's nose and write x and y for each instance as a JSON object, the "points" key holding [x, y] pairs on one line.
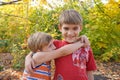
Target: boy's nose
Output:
{"points": [[70, 32]]}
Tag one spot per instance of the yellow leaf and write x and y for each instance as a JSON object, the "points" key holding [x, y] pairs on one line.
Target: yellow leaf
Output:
{"points": [[26, 1], [43, 2], [102, 45], [66, 0]]}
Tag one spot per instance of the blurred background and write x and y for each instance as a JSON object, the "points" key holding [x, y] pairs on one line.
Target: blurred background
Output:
{"points": [[20, 18]]}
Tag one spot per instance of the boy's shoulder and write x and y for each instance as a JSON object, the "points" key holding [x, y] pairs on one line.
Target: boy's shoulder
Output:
{"points": [[59, 43]]}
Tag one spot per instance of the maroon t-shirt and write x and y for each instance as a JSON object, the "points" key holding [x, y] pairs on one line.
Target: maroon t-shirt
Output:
{"points": [[75, 65]]}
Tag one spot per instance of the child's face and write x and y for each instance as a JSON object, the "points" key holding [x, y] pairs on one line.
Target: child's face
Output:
{"points": [[49, 47], [70, 32]]}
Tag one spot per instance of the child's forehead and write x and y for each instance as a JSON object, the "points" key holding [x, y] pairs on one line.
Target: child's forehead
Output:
{"points": [[70, 25]]}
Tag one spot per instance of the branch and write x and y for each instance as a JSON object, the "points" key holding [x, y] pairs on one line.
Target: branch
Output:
{"points": [[82, 4], [11, 2]]}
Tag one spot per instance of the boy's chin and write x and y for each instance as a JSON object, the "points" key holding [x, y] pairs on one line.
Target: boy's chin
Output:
{"points": [[70, 41]]}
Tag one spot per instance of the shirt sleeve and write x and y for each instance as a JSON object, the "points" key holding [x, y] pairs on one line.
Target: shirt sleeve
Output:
{"points": [[91, 64]]}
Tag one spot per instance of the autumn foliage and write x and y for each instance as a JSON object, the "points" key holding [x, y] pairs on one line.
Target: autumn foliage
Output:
{"points": [[101, 25]]}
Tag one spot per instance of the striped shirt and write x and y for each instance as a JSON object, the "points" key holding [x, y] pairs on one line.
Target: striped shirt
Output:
{"points": [[41, 72]]}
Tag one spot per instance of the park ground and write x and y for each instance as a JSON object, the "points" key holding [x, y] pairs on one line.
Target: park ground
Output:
{"points": [[105, 70]]}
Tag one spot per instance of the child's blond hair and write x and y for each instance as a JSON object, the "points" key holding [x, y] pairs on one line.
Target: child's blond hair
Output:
{"points": [[38, 40], [70, 17]]}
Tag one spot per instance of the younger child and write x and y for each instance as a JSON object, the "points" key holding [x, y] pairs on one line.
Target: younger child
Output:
{"points": [[39, 42], [43, 42]]}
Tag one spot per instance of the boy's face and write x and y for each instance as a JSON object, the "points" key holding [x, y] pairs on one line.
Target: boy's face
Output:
{"points": [[49, 47], [70, 32]]}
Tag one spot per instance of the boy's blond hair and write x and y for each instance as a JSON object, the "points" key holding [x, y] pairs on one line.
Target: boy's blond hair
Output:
{"points": [[70, 17], [38, 40]]}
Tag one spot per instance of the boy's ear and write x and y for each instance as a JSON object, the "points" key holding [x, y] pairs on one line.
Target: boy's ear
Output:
{"points": [[81, 28], [59, 27]]}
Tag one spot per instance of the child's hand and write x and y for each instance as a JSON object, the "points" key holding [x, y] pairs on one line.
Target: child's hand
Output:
{"points": [[29, 64], [84, 40]]}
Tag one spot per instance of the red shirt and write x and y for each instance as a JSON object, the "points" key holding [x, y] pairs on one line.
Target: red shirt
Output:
{"points": [[75, 65]]}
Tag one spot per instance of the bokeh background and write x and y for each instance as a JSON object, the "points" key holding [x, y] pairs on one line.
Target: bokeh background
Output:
{"points": [[20, 18]]}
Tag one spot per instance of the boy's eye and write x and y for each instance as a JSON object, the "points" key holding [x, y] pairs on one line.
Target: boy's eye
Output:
{"points": [[75, 28], [66, 28]]}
